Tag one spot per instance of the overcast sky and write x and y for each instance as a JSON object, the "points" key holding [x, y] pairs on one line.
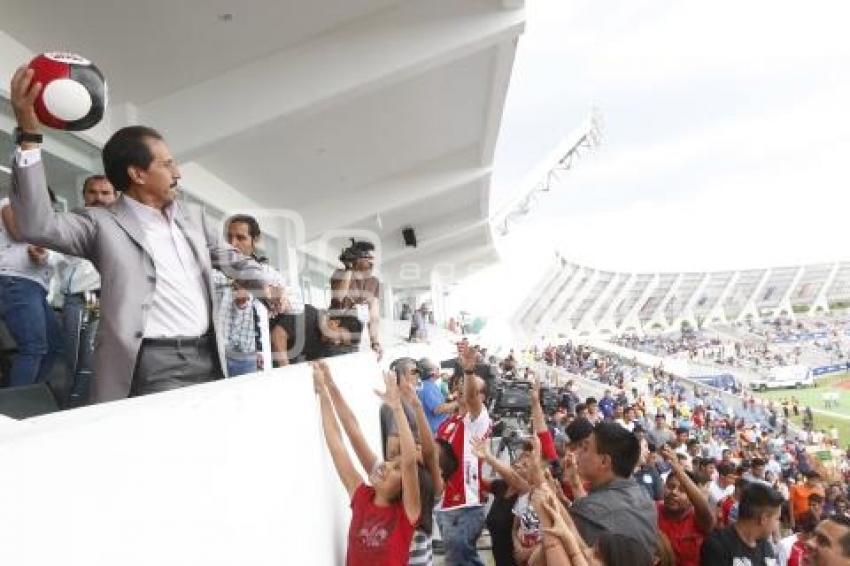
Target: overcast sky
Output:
{"points": [[726, 139]]}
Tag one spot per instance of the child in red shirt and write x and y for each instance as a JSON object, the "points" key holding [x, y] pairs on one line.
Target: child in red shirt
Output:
{"points": [[383, 515]]}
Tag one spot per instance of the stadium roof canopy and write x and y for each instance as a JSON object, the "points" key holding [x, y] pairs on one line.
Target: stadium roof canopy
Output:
{"points": [[369, 115]]}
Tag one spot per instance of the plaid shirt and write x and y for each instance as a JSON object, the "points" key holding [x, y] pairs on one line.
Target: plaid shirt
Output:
{"points": [[238, 324]]}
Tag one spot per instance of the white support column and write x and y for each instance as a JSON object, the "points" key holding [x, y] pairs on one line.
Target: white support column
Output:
{"points": [[561, 295], [750, 306], [587, 321], [632, 319], [688, 310], [563, 320], [608, 322], [658, 316], [820, 299], [785, 302], [547, 295], [718, 311]]}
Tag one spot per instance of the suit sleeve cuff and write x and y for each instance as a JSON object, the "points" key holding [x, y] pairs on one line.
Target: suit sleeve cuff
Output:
{"points": [[27, 157]]}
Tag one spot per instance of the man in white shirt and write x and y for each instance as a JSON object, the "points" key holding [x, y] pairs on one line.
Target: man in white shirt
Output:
{"points": [[25, 273], [723, 486], [155, 256], [80, 289]]}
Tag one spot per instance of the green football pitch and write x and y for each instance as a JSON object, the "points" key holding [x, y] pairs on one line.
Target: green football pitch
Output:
{"points": [[813, 397]]}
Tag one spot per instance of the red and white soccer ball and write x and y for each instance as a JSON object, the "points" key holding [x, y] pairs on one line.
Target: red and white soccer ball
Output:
{"points": [[73, 91]]}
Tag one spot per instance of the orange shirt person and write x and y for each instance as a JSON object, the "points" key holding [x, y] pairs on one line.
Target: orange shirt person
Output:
{"points": [[799, 495]]}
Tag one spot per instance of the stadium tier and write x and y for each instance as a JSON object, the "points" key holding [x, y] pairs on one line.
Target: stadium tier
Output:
{"points": [[572, 298]]}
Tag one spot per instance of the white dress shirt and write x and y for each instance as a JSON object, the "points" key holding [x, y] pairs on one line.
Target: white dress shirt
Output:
{"points": [[180, 306], [15, 260], [77, 275]]}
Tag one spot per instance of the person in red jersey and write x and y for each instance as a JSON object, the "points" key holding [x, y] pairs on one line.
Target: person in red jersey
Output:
{"points": [[684, 515], [461, 512], [385, 513]]}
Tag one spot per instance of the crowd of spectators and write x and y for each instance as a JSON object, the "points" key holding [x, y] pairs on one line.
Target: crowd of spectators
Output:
{"points": [[650, 471], [752, 345]]}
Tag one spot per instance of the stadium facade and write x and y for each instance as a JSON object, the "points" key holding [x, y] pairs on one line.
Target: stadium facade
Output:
{"points": [[578, 299]]}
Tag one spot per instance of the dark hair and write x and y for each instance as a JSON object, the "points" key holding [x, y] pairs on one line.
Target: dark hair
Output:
{"points": [[362, 247], [127, 148], [725, 468], [347, 320], [698, 477], [91, 179], [620, 445], [757, 463], [579, 429], [580, 407], [616, 549], [758, 499], [815, 498], [253, 225], [845, 538], [590, 400]]}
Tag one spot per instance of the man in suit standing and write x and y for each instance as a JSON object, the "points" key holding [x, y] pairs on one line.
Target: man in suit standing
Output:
{"points": [[155, 257]]}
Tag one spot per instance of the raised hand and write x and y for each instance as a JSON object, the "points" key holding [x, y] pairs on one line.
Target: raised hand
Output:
{"points": [[319, 383], [407, 389], [535, 389], [391, 395], [23, 91], [468, 357], [480, 447]]}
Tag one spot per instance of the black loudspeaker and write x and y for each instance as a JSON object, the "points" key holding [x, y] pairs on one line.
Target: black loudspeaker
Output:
{"points": [[27, 401], [409, 237]]}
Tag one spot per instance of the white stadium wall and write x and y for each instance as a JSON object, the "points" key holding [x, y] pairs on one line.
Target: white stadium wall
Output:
{"points": [[230, 473]]}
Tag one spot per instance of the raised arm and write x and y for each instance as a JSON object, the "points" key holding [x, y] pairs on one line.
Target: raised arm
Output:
{"points": [[702, 510], [349, 422], [37, 222], [430, 456], [471, 384], [558, 544], [481, 448], [333, 437], [409, 471], [538, 421]]}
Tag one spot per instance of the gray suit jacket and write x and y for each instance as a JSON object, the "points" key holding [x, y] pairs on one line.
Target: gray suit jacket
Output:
{"points": [[113, 240]]}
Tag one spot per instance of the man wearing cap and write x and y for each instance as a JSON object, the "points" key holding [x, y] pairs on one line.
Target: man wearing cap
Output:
{"points": [[431, 396]]}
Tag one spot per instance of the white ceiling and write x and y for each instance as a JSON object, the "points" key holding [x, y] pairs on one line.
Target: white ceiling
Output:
{"points": [[360, 141], [151, 48], [340, 110]]}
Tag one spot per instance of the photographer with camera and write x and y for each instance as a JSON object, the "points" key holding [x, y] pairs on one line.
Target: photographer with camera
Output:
{"points": [[354, 287]]}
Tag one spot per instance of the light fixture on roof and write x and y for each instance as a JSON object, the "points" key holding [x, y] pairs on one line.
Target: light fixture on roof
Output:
{"points": [[588, 137], [5, 170]]}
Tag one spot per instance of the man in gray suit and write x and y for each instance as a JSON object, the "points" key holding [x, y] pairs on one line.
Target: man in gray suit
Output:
{"points": [[155, 257]]}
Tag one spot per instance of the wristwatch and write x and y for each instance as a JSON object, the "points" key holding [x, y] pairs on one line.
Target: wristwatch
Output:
{"points": [[26, 137]]}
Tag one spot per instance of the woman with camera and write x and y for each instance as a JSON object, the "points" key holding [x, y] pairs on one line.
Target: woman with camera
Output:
{"points": [[355, 288]]}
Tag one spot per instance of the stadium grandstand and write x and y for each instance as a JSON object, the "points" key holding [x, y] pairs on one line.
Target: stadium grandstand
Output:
{"points": [[585, 301]]}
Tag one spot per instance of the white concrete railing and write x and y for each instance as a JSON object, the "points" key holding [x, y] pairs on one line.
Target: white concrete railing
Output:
{"points": [[229, 473]]}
